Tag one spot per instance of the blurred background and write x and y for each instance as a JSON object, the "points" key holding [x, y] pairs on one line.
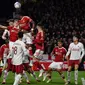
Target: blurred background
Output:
{"points": [[61, 18]]}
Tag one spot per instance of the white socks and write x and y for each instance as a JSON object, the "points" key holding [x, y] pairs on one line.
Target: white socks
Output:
{"points": [[5, 75], [17, 79], [69, 76], [25, 76], [76, 75]]}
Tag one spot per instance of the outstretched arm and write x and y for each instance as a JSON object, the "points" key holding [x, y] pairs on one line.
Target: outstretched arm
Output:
{"points": [[3, 27]]}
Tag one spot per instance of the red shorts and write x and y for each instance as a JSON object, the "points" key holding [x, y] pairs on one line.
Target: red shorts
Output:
{"points": [[9, 67], [17, 68], [0, 72], [73, 62], [26, 66]]}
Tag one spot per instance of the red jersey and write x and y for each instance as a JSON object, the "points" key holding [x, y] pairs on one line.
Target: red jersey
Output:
{"points": [[59, 54], [13, 31], [26, 20], [26, 27], [39, 41], [4, 49]]}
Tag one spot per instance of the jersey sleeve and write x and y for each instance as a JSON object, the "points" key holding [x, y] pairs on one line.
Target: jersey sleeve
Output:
{"points": [[69, 50], [1, 52], [42, 37], [4, 34], [64, 51], [41, 40], [83, 51], [9, 27]]}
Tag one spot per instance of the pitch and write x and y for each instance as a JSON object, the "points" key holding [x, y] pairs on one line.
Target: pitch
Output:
{"points": [[56, 79]]}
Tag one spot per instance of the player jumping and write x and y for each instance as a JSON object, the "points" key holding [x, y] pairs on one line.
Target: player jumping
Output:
{"points": [[39, 44]]}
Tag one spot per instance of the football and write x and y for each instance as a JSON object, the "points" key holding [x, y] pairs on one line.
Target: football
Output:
{"points": [[17, 5]]}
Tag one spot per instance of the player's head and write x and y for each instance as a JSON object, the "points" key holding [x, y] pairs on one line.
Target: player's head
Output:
{"points": [[16, 23], [20, 35], [60, 43], [75, 39], [40, 26], [11, 22]]}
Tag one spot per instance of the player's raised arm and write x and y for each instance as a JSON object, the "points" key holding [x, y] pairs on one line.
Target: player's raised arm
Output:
{"points": [[3, 27], [4, 34]]}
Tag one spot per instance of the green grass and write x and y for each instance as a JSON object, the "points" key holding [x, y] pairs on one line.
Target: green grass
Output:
{"points": [[56, 79]]}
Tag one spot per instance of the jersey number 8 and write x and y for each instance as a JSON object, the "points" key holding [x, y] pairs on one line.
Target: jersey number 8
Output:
{"points": [[15, 50]]}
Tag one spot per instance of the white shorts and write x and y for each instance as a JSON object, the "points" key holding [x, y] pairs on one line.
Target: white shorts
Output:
{"points": [[56, 65], [38, 54], [27, 38]]}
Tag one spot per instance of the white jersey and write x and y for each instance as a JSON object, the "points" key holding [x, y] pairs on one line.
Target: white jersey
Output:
{"points": [[27, 38], [18, 51], [25, 59], [76, 51]]}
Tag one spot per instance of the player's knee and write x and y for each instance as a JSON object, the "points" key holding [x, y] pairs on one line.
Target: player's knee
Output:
{"points": [[69, 69], [49, 69], [76, 67]]}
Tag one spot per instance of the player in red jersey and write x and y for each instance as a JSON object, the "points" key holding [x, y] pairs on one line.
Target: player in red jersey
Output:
{"points": [[25, 23], [57, 64], [39, 44], [13, 36], [6, 32], [4, 51], [13, 31]]}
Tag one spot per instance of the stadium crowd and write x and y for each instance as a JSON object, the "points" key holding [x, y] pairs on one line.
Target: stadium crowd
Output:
{"points": [[62, 19], [53, 24]]}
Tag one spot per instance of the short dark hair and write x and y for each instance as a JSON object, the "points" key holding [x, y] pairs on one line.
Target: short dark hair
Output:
{"points": [[77, 36], [60, 41], [40, 25], [10, 20], [20, 34]]}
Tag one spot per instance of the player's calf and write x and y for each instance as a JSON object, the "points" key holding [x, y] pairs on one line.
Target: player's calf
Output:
{"points": [[48, 75], [76, 74]]}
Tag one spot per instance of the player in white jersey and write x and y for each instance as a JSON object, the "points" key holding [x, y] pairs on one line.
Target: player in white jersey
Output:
{"points": [[76, 52], [27, 39], [19, 49]]}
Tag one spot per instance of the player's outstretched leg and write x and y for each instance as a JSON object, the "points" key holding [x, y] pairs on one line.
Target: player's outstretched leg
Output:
{"points": [[49, 72], [26, 77], [30, 71], [40, 67], [5, 76], [63, 77]]}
